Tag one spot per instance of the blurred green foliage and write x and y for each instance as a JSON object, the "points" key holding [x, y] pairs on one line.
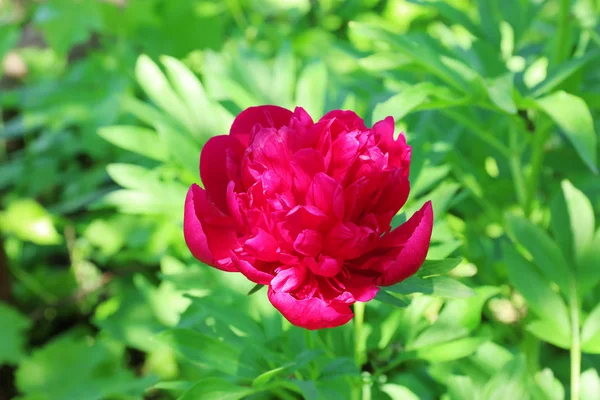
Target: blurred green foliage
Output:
{"points": [[105, 106]]}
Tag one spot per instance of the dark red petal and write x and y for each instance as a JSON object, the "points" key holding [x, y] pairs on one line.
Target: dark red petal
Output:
{"points": [[310, 313], [413, 239], [267, 116], [214, 166]]}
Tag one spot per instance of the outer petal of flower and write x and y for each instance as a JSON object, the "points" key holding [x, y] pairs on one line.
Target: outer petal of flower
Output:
{"points": [[216, 237], [311, 313], [251, 272], [413, 237], [214, 166], [267, 116], [348, 118], [192, 227]]}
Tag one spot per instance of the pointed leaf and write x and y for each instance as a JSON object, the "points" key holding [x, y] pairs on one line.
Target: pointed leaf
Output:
{"points": [[573, 117]]}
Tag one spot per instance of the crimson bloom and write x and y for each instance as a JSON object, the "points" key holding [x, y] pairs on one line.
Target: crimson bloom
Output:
{"points": [[305, 208]]}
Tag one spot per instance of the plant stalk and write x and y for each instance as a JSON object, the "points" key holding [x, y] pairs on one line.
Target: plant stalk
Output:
{"points": [[575, 342], [359, 319]]}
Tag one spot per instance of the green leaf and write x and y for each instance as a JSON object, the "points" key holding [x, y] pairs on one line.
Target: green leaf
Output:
{"points": [[546, 303], [136, 139], [452, 14], [420, 53], [562, 72], [200, 348], [398, 106], [265, 377], [255, 289], [590, 385], [157, 87], [182, 149], [440, 286], [29, 221], [457, 318], [12, 335], [203, 113], [216, 389], [396, 391], [461, 388], [89, 370], [548, 386], [452, 350], [590, 333], [284, 70], [573, 117], [65, 24], [438, 267], [546, 254], [387, 298], [131, 176], [510, 383], [547, 331], [500, 90], [311, 91], [587, 273], [581, 218]]}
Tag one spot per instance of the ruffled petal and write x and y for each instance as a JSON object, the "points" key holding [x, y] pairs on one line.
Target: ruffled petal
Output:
{"points": [[398, 151], [311, 313], [350, 119], [413, 238], [267, 116], [250, 271], [219, 164]]}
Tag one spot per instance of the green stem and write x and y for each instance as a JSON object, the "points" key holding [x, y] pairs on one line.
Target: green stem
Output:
{"points": [[478, 131], [515, 168], [310, 344], [537, 159], [563, 37], [575, 342], [359, 317], [359, 356]]}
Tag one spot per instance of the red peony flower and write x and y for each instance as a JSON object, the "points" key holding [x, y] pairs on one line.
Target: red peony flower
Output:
{"points": [[305, 208]]}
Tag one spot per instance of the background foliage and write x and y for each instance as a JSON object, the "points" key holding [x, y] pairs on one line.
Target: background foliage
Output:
{"points": [[105, 106]]}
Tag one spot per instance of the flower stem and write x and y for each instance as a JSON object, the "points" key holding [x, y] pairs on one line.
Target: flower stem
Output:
{"points": [[575, 342], [563, 34], [310, 345], [359, 317], [537, 160], [359, 356], [515, 168]]}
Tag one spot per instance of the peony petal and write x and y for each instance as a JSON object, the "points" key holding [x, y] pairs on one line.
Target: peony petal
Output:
{"points": [[192, 227], [399, 152], [262, 246], [305, 164], [289, 279], [326, 194], [309, 242], [267, 116], [326, 266], [349, 118], [219, 155], [310, 313], [209, 233], [250, 271], [413, 238]]}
